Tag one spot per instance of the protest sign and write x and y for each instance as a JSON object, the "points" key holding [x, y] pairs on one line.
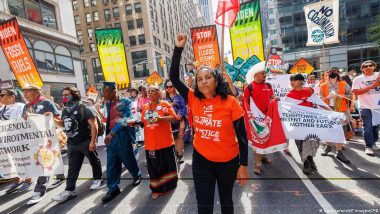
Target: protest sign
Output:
{"points": [[205, 45], [305, 123], [248, 64], [15, 50], [154, 78], [8, 84], [302, 66], [29, 148], [238, 62], [280, 85]]}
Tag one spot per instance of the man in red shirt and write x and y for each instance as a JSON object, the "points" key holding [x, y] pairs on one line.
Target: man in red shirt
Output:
{"points": [[261, 94]]}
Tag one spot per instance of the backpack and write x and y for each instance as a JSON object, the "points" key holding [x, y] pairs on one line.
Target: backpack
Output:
{"points": [[101, 126]]}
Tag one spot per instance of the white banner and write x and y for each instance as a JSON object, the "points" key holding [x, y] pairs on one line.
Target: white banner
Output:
{"points": [[305, 123], [280, 85], [29, 148], [322, 20]]}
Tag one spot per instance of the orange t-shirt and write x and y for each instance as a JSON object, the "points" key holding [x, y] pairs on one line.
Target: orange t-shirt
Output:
{"points": [[213, 118], [157, 135]]}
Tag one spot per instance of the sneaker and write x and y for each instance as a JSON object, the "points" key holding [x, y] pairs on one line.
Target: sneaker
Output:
{"points": [[306, 168], [342, 158], [96, 184], [14, 187], [368, 151], [179, 159], [312, 163], [327, 150], [374, 147], [36, 197], [56, 183], [136, 181], [110, 195], [64, 196], [25, 186]]}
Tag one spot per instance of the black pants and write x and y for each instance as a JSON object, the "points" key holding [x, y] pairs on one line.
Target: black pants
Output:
{"points": [[206, 173], [75, 154]]}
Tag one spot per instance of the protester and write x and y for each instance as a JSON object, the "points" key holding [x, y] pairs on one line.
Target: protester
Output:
{"points": [[178, 125], [119, 139], [261, 97], [39, 105], [159, 148], [143, 98], [80, 125], [367, 88], [13, 105], [336, 94], [136, 114], [307, 150], [220, 141]]}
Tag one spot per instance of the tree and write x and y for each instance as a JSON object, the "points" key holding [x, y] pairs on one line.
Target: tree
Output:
{"points": [[374, 31]]}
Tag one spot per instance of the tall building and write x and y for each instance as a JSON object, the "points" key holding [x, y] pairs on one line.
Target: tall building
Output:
{"points": [[149, 30], [206, 10], [49, 32], [287, 29]]}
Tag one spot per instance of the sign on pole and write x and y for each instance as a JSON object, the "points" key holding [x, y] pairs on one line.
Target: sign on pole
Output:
{"points": [[322, 20], [8, 84], [13, 44], [154, 79], [112, 56], [246, 34], [205, 45], [302, 66]]}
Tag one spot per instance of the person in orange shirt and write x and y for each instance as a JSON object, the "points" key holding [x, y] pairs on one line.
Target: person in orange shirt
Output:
{"points": [[220, 140], [159, 143]]}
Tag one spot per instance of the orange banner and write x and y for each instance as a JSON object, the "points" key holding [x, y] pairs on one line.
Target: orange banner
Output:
{"points": [[205, 45], [13, 44]]}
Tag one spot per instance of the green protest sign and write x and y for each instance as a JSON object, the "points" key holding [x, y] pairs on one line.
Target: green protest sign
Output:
{"points": [[238, 62], [248, 64]]}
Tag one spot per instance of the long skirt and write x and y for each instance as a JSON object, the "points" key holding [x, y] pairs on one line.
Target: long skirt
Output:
{"points": [[162, 169]]}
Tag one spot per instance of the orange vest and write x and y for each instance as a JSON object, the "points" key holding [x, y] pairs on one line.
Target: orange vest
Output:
{"points": [[341, 91]]}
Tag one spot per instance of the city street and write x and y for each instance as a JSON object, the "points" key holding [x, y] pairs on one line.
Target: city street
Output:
{"points": [[282, 188]]}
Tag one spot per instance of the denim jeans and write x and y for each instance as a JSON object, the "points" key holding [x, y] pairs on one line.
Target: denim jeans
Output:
{"points": [[371, 132]]}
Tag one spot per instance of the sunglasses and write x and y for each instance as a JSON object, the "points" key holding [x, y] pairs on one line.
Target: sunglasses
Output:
{"points": [[367, 66], [166, 87]]}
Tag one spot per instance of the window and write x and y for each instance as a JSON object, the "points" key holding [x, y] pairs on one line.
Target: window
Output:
{"points": [[90, 33], [132, 40], [271, 21], [64, 60], [92, 47], [79, 35], [116, 13], [286, 20], [98, 73], [131, 25], [86, 3], [77, 20], [88, 18], [44, 56], [93, 2], [107, 14], [158, 43], [117, 25], [138, 7], [128, 9], [16, 8], [139, 23], [142, 39], [140, 70], [154, 40], [75, 5], [96, 16], [84, 71], [159, 68], [105, 1]]}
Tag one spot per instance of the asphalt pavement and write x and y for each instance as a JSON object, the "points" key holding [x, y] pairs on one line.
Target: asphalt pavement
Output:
{"points": [[282, 188]]}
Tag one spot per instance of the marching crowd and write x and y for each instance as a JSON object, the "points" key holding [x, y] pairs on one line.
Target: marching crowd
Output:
{"points": [[206, 110]]}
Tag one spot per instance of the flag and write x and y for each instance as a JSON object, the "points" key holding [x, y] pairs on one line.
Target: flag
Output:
{"points": [[226, 12], [264, 132]]}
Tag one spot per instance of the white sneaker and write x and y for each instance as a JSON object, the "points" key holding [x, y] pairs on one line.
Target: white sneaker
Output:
{"points": [[36, 197], [368, 151], [96, 184], [64, 196]]}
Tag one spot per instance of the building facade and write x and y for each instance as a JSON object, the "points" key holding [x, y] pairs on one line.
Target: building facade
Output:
{"points": [[149, 30], [206, 10], [49, 32], [287, 29]]}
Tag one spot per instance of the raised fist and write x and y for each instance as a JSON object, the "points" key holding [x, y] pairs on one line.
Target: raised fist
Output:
{"points": [[181, 40]]}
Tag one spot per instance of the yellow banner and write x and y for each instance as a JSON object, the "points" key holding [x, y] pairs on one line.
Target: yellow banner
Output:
{"points": [[246, 35], [112, 56]]}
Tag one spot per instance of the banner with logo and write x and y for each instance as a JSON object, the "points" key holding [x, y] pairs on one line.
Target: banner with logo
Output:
{"points": [[322, 20], [305, 123], [29, 148], [280, 85], [246, 34], [112, 56], [15, 50], [205, 45]]}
